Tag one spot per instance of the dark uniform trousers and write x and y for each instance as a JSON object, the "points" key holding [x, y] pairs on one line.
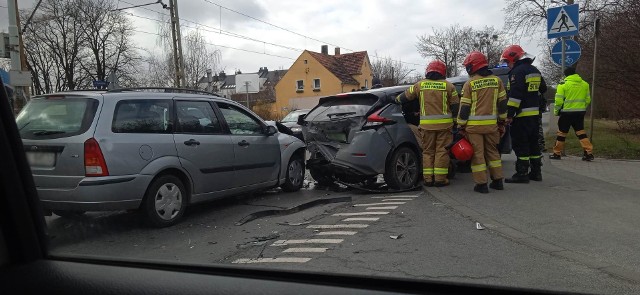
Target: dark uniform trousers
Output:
{"points": [[573, 120], [525, 136]]}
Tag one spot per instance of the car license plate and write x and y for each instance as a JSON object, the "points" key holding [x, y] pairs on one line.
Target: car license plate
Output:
{"points": [[41, 159]]}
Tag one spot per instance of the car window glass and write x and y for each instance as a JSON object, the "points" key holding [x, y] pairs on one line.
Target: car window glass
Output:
{"points": [[56, 117], [142, 116], [340, 107], [197, 117], [240, 123]]}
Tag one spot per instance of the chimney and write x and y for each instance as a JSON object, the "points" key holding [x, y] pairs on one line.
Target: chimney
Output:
{"points": [[324, 49], [337, 51]]}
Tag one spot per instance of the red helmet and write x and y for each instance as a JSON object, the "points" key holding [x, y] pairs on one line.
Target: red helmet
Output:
{"points": [[437, 66], [462, 150], [512, 54], [475, 61]]}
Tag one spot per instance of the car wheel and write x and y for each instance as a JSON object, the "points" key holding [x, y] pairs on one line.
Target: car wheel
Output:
{"points": [[165, 201], [402, 169], [295, 174], [321, 177], [67, 213]]}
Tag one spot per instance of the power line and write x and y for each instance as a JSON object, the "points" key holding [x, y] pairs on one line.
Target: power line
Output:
{"points": [[275, 26], [296, 33], [224, 46], [217, 31]]}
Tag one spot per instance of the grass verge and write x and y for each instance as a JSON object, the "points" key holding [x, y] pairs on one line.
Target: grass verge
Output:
{"points": [[608, 142]]}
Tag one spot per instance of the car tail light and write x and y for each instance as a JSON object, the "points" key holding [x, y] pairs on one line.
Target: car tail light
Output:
{"points": [[94, 163], [376, 120]]}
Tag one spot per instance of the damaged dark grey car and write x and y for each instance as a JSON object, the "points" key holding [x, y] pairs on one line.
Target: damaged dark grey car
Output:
{"points": [[354, 137]]}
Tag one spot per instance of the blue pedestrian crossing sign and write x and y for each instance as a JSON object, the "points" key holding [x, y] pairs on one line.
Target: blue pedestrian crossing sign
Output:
{"points": [[572, 52], [562, 21]]}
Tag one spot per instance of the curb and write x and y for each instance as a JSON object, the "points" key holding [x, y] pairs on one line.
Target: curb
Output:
{"points": [[532, 241]]}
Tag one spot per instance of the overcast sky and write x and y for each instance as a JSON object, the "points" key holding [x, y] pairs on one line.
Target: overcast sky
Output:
{"points": [[388, 27]]}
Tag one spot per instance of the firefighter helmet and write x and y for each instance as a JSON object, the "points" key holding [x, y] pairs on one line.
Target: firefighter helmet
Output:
{"points": [[514, 53], [474, 62], [462, 150], [436, 66]]}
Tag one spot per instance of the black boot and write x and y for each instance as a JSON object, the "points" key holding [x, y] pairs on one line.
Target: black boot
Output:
{"points": [[522, 170], [587, 157], [536, 169], [481, 188], [497, 184]]}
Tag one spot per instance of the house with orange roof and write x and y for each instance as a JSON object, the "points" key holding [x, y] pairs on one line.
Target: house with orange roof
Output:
{"points": [[317, 74]]}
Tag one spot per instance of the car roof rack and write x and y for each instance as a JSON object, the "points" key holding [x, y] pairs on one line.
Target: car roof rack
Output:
{"points": [[163, 90]]}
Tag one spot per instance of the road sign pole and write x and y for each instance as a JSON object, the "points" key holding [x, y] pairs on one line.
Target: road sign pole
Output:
{"points": [[563, 61], [593, 80]]}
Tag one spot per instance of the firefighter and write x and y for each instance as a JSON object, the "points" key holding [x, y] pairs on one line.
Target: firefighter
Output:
{"points": [[525, 82], [483, 110], [438, 103], [571, 102]]}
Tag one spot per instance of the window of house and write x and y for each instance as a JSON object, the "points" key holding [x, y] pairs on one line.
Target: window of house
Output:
{"points": [[300, 85], [305, 61], [366, 83], [316, 83]]}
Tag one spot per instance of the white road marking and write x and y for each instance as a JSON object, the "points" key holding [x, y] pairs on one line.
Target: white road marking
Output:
{"points": [[307, 241], [362, 219], [383, 208], [377, 204], [352, 225], [361, 213], [305, 250], [397, 199], [388, 197], [336, 233], [271, 260]]}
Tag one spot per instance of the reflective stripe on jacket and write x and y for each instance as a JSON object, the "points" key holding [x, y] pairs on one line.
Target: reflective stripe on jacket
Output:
{"points": [[525, 85], [572, 95], [483, 102], [438, 102]]}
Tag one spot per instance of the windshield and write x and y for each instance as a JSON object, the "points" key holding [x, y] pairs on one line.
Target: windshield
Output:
{"points": [[293, 116], [145, 127], [342, 106], [56, 117]]}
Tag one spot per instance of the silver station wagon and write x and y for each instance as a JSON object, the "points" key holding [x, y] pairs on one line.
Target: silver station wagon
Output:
{"points": [[154, 151]]}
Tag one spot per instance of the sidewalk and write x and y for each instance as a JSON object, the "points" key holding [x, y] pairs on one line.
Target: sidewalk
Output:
{"points": [[588, 212], [618, 172]]}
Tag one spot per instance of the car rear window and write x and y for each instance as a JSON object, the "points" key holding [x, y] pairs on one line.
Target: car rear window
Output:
{"points": [[342, 106], [142, 116], [56, 117]]}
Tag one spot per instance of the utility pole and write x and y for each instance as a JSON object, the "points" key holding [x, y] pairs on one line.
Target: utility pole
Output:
{"points": [[246, 84], [19, 77], [178, 58]]}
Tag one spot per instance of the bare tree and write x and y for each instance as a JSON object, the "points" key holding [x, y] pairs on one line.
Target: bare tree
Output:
{"points": [[488, 40], [451, 45], [72, 42], [390, 72], [447, 44], [109, 43], [198, 57], [525, 17]]}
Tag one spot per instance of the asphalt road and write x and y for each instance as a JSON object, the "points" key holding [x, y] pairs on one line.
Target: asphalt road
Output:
{"points": [[411, 235]]}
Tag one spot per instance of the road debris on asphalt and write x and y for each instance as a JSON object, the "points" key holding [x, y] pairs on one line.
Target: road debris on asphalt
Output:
{"points": [[396, 237], [479, 226], [294, 223]]}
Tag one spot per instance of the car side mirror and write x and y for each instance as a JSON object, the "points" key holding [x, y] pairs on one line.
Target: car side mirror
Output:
{"points": [[301, 120], [271, 130]]}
